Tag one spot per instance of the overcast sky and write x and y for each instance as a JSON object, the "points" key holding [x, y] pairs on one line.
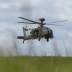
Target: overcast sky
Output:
{"points": [[52, 10]]}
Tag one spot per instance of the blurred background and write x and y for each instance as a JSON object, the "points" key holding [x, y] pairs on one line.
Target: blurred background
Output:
{"points": [[51, 10]]}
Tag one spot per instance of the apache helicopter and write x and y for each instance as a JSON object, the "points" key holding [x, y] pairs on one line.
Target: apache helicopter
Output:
{"points": [[37, 33]]}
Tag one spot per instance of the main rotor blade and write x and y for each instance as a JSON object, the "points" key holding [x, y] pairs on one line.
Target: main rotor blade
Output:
{"points": [[26, 22], [29, 20], [54, 24], [59, 21], [32, 23]]}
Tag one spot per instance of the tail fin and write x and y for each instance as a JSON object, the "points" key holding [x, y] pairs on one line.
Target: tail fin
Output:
{"points": [[24, 33]]}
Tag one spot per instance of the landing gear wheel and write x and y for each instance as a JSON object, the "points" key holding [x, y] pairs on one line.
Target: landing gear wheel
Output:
{"points": [[47, 39]]}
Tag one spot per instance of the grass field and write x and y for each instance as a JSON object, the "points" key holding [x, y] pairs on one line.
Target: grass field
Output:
{"points": [[35, 64]]}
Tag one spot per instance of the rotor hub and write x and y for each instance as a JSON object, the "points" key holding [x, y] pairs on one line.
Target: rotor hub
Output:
{"points": [[42, 19]]}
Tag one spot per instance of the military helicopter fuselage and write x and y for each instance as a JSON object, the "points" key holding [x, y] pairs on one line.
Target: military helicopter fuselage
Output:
{"points": [[37, 33]]}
